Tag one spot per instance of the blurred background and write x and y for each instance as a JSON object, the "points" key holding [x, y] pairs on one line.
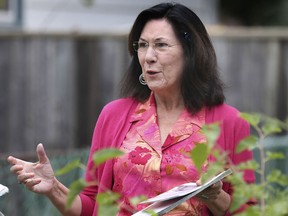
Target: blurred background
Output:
{"points": [[61, 61]]}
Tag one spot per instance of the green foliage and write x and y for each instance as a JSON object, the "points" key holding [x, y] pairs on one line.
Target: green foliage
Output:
{"points": [[253, 119], [248, 165], [2, 4], [69, 167], [267, 193], [269, 199], [251, 211], [274, 155], [276, 176], [103, 155], [75, 188], [211, 132], [199, 155], [107, 202], [107, 198], [255, 12], [202, 151], [135, 200], [248, 143]]}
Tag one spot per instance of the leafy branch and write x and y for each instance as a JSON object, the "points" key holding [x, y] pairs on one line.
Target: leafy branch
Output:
{"points": [[271, 200]]}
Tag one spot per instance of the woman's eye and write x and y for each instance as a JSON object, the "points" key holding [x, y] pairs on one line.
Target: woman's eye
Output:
{"points": [[142, 45], [161, 45]]}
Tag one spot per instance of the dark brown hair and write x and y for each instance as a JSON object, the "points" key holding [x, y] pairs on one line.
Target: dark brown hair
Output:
{"points": [[200, 85]]}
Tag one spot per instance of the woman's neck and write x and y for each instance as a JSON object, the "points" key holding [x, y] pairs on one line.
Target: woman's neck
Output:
{"points": [[169, 103]]}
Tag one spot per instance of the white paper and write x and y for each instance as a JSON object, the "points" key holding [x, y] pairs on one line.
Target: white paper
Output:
{"points": [[180, 190], [3, 190], [168, 200]]}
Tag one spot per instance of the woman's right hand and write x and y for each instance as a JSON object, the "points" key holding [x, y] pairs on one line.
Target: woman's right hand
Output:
{"points": [[38, 177]]}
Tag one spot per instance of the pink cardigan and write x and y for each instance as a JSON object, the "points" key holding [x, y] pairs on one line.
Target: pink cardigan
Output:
{"points": [[114, 123]]}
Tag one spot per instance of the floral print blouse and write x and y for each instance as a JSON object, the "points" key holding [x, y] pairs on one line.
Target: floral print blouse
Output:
{"points": [[149, 168]]}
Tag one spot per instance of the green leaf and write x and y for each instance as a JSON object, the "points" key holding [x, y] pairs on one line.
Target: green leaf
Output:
{"points": [[251, 211], [248, 143], [105, 210], [211, 132], [107, 198], [276, 176], [150, 212], [107, 202], [136, 200], [253, 119], [248, 165], [212, 171], [274, 155], [68, 168], [75, 188], [199, 155], [244, 192], [238, 200], [278, 207], [271, 127], [103, 155]]}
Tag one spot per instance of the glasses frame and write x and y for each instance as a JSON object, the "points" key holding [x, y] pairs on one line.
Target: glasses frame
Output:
{"points": [[156, 46]]}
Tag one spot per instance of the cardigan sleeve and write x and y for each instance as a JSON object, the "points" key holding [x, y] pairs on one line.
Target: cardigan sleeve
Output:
{"points": [[110, 130], [233, 130], [88, 195]]}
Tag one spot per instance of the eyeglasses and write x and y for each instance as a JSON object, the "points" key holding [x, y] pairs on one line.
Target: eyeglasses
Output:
{"points": [[159, 47]]}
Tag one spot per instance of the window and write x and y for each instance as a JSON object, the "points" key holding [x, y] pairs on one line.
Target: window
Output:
{"points": [[10, 13]]}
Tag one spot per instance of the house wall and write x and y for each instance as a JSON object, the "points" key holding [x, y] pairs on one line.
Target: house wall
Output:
{"points": [[101, 16]]}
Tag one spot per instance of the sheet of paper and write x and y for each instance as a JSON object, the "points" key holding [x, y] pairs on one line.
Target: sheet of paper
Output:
{"points": [[180, 190], [3, 190], [168, 200]]}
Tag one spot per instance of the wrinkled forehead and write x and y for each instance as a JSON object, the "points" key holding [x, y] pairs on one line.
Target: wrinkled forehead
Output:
{"points": [[158, 29]]}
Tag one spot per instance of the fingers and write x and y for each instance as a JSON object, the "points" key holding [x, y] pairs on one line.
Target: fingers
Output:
{"points": [[30, 183], [211, 193], [16, 165], [14, 161], [17, 169], [198, 182], [208, 195], [218, 185], [25, 177]]}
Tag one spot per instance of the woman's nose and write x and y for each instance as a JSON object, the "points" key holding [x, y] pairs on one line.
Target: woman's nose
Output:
{"points": [[150, 55]]}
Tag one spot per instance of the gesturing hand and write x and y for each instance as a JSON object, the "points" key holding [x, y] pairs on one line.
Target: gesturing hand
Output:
{"points": [[37, 177]]}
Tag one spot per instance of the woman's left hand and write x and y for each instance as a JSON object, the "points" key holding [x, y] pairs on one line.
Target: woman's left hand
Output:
{"points": [[211, 193]]}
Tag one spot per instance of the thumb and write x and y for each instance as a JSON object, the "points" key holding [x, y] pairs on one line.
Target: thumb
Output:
{"points": [[198, 182], [42, 157]]}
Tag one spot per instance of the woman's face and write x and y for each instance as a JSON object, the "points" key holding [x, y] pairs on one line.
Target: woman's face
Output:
{"points": [[163, 60]]}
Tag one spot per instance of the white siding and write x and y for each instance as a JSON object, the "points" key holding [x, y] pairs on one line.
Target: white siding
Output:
{"points": [[102, 15]]}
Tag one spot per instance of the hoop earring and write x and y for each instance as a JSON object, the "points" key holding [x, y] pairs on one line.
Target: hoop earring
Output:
{"points": [[142, 80]]}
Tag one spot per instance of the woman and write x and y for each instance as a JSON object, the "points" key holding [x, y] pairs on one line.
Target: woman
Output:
{"points": [[172, 88]]}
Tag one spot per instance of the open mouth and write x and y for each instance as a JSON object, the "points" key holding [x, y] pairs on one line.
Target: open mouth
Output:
{"points": [[152, 72]]}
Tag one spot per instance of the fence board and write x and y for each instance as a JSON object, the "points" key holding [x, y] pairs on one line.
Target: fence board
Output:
{"points": [[250, 69]]}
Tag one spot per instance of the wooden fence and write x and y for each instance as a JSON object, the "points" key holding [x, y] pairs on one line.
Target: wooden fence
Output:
{"points": [[53, 86]]}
